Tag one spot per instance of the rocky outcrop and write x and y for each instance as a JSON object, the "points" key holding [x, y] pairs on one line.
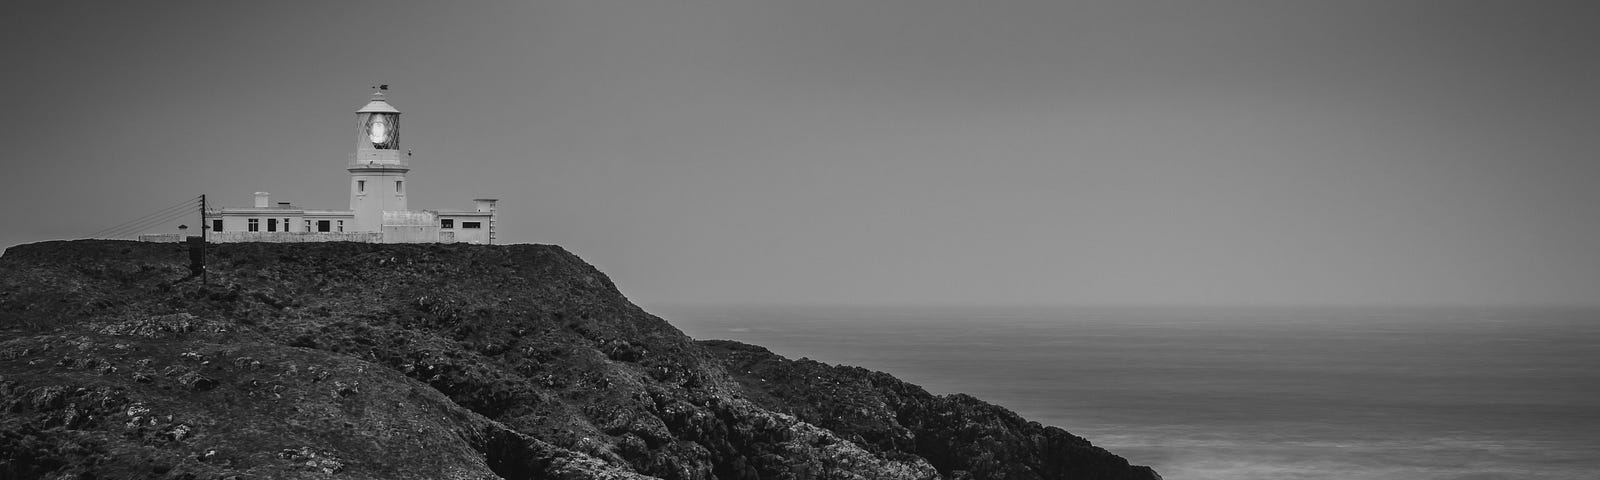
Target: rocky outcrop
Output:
{"points": [[961, 436], [344, 360]]}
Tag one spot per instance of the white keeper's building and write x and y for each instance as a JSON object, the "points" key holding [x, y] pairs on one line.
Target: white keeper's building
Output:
{"points": [[378, 211]]}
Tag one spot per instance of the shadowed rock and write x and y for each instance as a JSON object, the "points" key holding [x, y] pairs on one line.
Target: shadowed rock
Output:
{"points": [[345, 360]]}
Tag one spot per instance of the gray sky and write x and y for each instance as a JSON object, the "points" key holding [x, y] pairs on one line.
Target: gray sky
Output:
{"points": [[928, 151]]}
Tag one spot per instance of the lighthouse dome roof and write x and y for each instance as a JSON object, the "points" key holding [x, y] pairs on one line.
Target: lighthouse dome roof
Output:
{"points": [[378, 105]]}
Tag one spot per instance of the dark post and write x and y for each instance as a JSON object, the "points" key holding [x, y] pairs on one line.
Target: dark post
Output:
{"points": [[197, 256], [204, 242]]}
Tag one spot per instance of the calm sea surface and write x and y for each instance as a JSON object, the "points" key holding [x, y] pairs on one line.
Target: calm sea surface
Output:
{"points": [[1241, 394]]}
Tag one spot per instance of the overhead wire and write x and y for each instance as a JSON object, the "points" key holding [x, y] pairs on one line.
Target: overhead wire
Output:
{"points": [[181, 204], [182, 208], [150, 222], [134, 229], [144, 221]]}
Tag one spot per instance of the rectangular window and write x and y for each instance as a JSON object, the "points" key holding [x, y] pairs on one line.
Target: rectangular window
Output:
{"points": [[216, 225], [272, 224], [308, 226], [254, 224], [361, 186], [341, 226], [323, 225], [399, 186], [447, 223], [471, 224]]}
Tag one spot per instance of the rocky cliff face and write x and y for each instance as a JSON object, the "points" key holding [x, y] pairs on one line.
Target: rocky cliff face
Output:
{"points": [[442, 361]]}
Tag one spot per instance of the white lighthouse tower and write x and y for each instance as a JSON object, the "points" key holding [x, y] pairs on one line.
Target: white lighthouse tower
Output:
{"points": [[378, 168]]}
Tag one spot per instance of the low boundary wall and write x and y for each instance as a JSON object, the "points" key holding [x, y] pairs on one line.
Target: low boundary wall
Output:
{"points": [[272, 237]]}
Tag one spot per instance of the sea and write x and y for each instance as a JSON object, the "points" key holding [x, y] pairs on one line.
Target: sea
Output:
{"points": [[1207, 393]]}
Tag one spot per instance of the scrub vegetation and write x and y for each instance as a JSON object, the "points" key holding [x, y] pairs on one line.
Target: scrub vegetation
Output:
{"points": [[346, 360]]}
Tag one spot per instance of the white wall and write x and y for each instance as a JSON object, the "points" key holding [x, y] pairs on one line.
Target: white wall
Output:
{"points": [[280, 237]]}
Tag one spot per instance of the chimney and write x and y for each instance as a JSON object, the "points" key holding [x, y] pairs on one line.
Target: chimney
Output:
{"points": [[261, 200]]}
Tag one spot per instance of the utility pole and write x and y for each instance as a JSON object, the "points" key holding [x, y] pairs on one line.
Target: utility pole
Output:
{"points": [[205, 278]]}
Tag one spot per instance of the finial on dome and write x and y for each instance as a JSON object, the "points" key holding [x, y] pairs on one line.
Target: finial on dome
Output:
{"points": [[379, 102]]}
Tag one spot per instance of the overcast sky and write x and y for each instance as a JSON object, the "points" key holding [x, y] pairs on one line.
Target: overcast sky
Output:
{"points": [[899, 152]]}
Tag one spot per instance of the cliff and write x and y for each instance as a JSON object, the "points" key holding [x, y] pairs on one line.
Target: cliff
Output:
{"points": [[345, 360]]}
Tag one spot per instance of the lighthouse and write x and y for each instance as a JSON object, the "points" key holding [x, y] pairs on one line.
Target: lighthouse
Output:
{"points": [[377, 168]]}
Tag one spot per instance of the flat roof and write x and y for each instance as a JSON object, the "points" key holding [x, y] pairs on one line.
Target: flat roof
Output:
{"points": [[463, 213], [276, 211]]}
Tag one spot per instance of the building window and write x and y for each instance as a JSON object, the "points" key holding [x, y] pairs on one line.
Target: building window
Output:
{"points": [[341, 226], [447, 223], [361, 186], [471, 225], [308, 225], [323, 225], [254, 225], [399, 186], [216, 225], [272, 224]]}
